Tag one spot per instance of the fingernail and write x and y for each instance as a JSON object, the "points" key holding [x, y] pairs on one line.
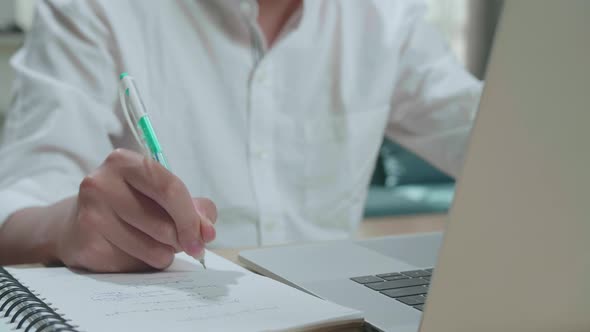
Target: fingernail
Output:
{"points": [[194, 248]]}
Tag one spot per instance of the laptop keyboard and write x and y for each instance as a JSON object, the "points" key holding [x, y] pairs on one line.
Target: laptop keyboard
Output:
{"points": [[409, 287]]}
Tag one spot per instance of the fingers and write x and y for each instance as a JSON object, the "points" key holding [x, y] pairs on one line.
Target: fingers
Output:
{"points": [[138, 244], [208, 213], [171, 194], [206, 207], [133, 214], [107, 258], [143, 214], [157, 183], [85, 243], [208, 232]]}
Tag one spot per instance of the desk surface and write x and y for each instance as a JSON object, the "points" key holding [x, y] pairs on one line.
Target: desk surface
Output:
{"points": [[374, 227]]}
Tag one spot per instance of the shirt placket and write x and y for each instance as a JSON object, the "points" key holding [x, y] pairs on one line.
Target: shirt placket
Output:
{"points": [[261, 122]]}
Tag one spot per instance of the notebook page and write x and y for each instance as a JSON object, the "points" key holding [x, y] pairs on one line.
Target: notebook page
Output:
{"points": [[186, 297], [5, 326]]}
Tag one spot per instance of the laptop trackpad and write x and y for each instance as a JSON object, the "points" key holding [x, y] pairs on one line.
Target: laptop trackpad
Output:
{"points": [[416, 249]]}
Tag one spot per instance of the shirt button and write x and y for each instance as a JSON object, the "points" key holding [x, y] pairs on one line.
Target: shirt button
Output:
{"points": [[261, 76], [270, 226], [259, 153]]}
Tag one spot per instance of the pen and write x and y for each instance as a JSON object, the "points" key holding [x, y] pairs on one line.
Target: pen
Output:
{"points": [[140, 124]]}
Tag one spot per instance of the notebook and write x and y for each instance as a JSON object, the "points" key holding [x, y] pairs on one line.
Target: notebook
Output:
{"points": [[185, 297]]}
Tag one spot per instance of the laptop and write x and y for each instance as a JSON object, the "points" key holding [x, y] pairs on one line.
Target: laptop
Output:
{"points": [[516, 252]]}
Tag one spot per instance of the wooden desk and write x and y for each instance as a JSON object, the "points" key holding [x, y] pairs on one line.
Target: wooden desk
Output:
{"points": [[374, 227]]}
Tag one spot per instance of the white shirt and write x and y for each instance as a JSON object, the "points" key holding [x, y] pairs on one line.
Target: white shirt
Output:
{"points": [[283, 140]]}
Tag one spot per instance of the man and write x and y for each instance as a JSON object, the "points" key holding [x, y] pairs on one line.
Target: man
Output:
{"points": [[272, 109]]}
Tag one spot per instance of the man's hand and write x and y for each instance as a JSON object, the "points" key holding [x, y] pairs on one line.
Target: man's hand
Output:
{"points": [[130, 214]]}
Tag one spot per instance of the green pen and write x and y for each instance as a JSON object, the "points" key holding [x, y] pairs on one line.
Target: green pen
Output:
{"points": [[140, 124]]}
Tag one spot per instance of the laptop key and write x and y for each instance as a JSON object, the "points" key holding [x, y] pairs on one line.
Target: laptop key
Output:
{"points": [[407, 291], [379, 286], [416, 273], [399, 277], [366, 279], [419, 307], [412, 300], [386, 275]]}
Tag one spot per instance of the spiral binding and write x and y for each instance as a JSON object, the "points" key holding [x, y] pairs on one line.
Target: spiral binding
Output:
{"points": [[26, 310]]}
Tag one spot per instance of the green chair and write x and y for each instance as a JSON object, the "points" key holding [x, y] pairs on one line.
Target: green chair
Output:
{"points": [[404, 184]]}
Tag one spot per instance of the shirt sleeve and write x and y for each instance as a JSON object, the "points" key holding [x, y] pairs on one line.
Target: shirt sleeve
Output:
{"points": [[62, 120], [435, 98]]}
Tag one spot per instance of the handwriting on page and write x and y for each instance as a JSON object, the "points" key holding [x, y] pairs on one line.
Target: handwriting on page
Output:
{"points": [[186, 296]]}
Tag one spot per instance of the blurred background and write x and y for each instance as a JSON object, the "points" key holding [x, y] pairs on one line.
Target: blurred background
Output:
{"points": [[402, 182]]}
